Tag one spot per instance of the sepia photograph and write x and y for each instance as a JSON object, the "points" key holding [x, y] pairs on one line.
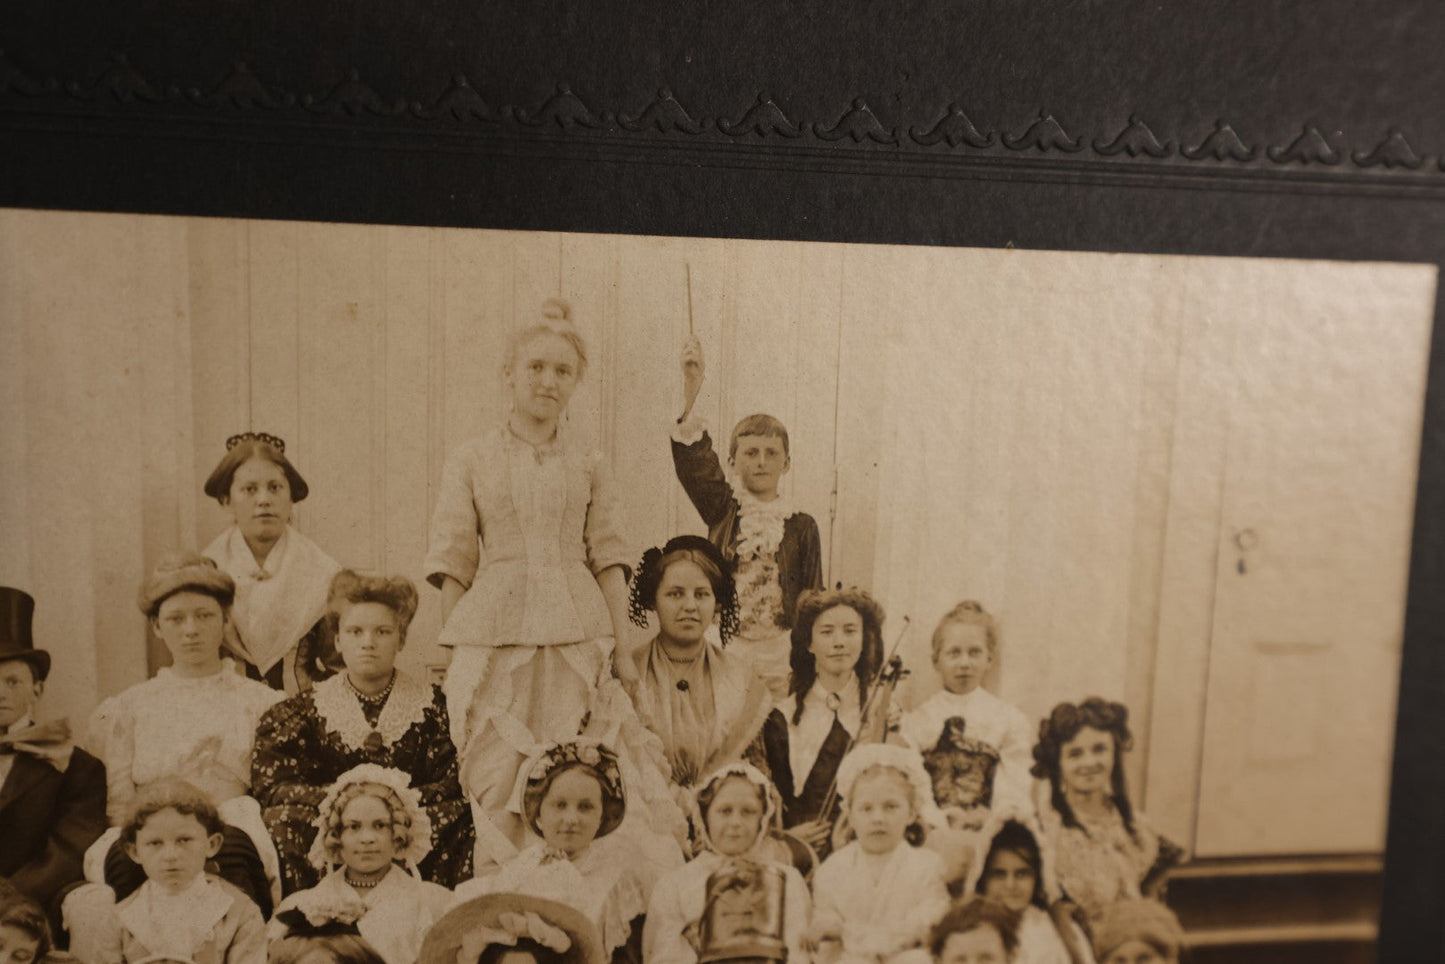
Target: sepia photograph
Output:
{"points": [[423, 594]]}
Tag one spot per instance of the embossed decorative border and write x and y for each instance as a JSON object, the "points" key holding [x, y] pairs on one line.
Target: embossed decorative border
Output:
{"points": [[942, 142]]}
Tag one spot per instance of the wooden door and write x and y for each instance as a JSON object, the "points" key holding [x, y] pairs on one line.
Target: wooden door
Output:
{"points": [[1316, 505]]}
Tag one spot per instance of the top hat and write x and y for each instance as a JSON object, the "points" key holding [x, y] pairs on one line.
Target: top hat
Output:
{"points": [[17, 609], [743, 914]]}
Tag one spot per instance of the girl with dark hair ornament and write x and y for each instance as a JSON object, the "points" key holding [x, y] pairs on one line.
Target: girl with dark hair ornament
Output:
{"points": [[1104, 850], [533, 576], [837, 651], [706, 704], [281, 576], [370, 713], [737, 807]]}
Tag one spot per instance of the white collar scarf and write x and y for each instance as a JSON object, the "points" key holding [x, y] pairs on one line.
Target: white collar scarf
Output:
{"points": [[273, 612], [175, 925], [340, 710]]}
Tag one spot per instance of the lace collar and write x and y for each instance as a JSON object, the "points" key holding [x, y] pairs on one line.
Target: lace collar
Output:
{"points": [[760, 524], [340, 710]]}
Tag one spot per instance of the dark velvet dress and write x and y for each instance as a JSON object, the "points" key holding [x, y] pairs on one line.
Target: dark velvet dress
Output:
{"points": [[306, 742], [803, 801]]}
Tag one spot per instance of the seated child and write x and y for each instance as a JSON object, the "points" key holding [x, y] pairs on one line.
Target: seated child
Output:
{"points": [[180, 911], [335, 946], [573, 798], [737, 807], [370, 819], [1012, 873], [1137, 931], [776, 548], [977, 931], [512, 929], [879, 895], [25, 931], [977, 748]]}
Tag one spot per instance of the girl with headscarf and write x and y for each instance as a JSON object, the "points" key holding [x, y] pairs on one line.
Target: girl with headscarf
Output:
{"points": [[737, 805], [371, 832], [281, 576]]}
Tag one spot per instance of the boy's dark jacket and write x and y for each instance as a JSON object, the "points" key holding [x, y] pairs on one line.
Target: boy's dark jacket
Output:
{"points": [[47, 820], [800, 555]]}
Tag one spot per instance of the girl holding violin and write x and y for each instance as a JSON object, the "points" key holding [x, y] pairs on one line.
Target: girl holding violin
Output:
{"points": [[833, 704]]}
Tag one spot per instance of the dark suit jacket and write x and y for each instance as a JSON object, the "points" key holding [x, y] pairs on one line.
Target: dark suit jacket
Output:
{"points": [[47, 820]]}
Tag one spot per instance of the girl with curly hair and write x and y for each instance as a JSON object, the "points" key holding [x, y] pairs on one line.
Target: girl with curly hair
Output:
{"points": [[704, 702], [837, 652], [371, 712], [370, 821], [1104, 850], [572, 797]]}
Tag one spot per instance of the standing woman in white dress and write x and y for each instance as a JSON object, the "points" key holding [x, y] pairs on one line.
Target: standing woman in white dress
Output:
{"points": [[282, 577], [533, 575]]}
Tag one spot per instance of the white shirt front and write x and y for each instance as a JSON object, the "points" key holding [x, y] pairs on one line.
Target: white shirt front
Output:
{"points": [[806, 737]]}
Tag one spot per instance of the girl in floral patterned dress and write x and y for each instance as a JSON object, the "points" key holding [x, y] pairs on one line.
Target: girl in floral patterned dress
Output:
{"points": [[369, 713], [371, 819]]}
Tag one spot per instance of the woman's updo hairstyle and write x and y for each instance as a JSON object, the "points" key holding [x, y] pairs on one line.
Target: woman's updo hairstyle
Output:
{"points": [[703, 554], [968, 613], [554, 318], [812, 604], [1061, 726], [348, 588], [241, 449]]}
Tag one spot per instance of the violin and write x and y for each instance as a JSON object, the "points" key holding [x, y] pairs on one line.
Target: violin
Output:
{"points": [[873, 727]]}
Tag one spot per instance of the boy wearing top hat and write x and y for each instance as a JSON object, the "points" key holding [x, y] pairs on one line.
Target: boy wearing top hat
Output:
{"points": [[52, 794]]}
